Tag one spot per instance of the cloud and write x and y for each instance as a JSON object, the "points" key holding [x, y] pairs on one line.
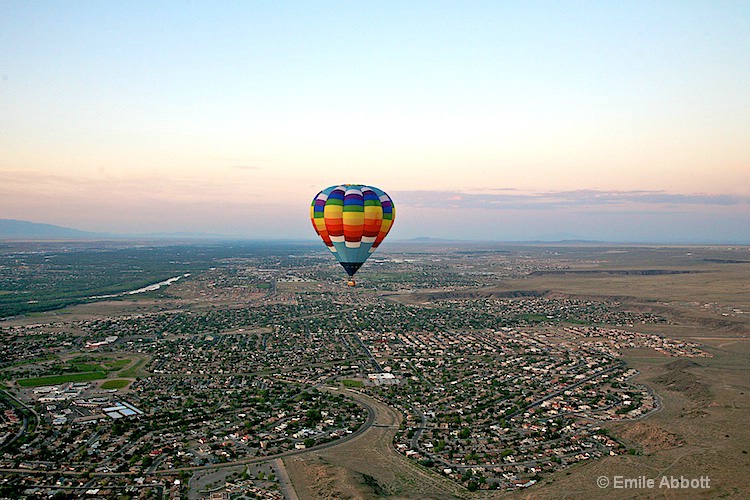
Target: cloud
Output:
{"points": [[583, 198], [138, 186], [246, 167]]}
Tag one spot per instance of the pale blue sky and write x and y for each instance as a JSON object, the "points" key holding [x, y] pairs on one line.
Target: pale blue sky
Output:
{"points": [[229, 116]]}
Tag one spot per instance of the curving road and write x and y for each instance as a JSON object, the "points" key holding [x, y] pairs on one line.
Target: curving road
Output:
{"points": [[25, 424], [373, 454], [362, 429], [369, 450]]}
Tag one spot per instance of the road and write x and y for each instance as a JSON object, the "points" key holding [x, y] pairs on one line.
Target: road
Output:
{"points": [[285, 484], [375, 364], [368, 450], [25, 424], [362, 429], [579, 383], [418, 431], [372, 453]]}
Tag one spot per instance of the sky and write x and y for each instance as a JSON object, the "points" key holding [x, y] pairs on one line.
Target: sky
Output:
{"points": [[617, 121]]}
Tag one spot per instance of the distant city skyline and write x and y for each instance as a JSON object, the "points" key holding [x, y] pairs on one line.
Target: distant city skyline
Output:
{"points": [[612, 121]]}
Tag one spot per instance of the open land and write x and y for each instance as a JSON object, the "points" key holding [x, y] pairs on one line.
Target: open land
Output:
{"points": [[452, 370]]}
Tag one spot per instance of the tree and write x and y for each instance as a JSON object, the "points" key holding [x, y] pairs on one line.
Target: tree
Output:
{"points": [[313, 415]]}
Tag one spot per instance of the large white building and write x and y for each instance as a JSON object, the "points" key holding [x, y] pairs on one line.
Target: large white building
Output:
{"points": [[382, 378]]}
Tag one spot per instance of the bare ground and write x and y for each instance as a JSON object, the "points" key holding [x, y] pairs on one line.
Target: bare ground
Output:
{"points": [[341, 471]]}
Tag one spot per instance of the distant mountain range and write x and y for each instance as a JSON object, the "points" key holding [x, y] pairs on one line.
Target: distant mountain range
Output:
{"points": [[11, 229]]}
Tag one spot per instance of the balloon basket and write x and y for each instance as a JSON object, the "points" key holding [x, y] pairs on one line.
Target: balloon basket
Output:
{"points": [[351, 283]]}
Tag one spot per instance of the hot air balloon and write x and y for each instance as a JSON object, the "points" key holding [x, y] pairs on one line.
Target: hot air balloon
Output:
{"points": [[352, 220]]}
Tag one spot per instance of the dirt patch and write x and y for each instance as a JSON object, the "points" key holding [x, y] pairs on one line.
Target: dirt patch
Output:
{"points": [[651, 438], [367, 466], [681, 364], [677, 378], [326, 481]]}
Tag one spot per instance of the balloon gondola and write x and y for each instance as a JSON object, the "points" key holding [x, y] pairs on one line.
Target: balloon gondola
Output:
{"points": [[352, 220]]}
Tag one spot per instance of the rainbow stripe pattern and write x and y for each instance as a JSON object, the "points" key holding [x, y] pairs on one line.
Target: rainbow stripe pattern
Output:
{"points": [[352, 220]]}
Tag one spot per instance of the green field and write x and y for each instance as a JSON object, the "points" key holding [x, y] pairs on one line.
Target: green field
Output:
{"points": [[117, 364], [61, 379], [133, 370], [115, 384], [353, 383], [533, 318], [85, 364], [84, 367]]}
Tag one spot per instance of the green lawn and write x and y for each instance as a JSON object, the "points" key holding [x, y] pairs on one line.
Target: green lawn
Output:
{"points": [[115, 384], [133, 370], [61, 379], [85, 367], [353, 383], [88, 364]]}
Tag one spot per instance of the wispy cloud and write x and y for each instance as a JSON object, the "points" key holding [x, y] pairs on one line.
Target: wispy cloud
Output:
{"points": [[582, 198], [246, 167], [123, 187]]}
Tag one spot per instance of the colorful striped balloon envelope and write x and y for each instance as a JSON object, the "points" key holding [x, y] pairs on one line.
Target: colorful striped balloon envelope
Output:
{"points": [[352, 220]]}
